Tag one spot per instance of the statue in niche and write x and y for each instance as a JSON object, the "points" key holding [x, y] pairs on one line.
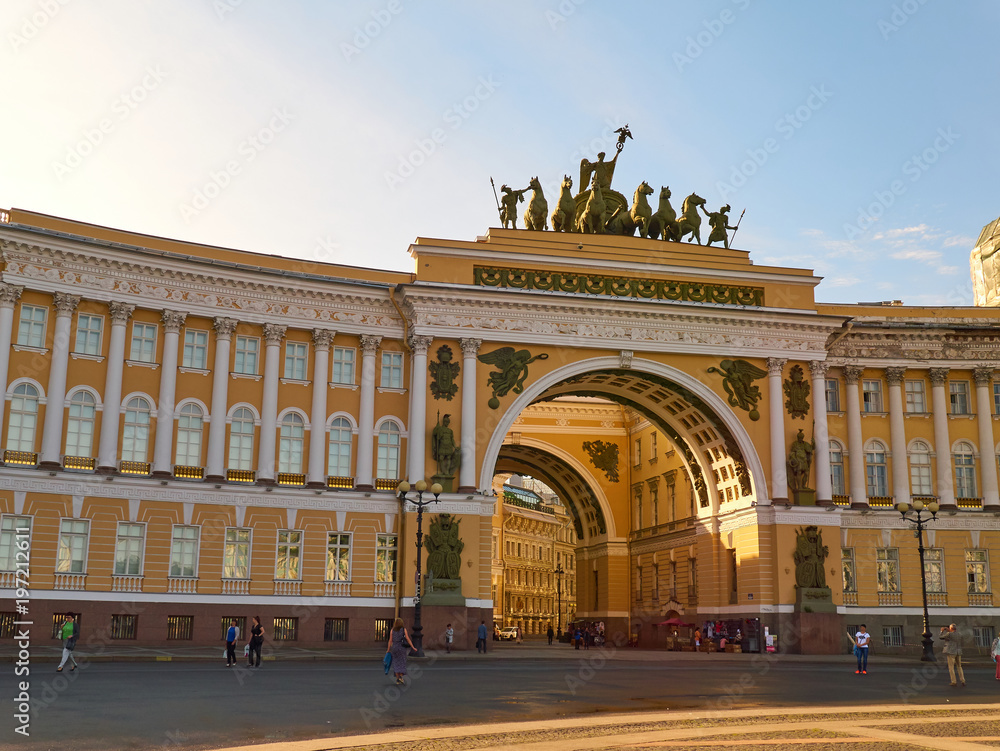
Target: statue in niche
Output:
{"points": [[444, 547], [810, 553], [797, 392], [799, 461], [737, 379], [444, 451], [604, 456], [443, 374]]}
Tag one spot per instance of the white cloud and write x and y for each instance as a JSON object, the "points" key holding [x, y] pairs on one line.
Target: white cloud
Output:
{"points": [[916, 255]]}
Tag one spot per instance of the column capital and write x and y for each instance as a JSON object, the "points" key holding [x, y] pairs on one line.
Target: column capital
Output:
{"points": [[369, 344], [120, 311], [895, 374], [274, 333], [938, 376], [323, 338], [65, 303], [470, 347], [818, 368], [420, 344], [983, 376], [852, 374], [224, 327], [173, 320], [775, 366], [9, 294]]}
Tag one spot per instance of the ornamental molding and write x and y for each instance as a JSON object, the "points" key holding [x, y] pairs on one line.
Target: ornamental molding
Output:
{"points": [[892, 520], [914, 345], [251, 297]]}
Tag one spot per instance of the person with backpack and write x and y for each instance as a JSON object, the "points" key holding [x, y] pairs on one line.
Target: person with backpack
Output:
{"points": [[69, 633]]}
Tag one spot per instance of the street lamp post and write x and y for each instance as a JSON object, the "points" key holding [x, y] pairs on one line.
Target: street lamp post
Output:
{"points": [[914, 513], [402, 489], [559, 572]]}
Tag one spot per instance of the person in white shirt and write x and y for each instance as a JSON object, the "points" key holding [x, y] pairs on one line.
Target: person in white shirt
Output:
{"points": [[861, 641]]}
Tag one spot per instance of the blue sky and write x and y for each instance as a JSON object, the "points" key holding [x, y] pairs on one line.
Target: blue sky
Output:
{"points": [[860, 137]]}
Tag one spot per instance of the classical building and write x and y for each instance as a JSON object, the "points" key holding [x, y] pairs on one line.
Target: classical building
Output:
{"points": [[192, 433]]}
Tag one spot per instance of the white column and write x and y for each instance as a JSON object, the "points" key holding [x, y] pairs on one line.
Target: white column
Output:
{"points": [[216, 470], [897, 436], [987, 453], [56, 394], [855, 440], [776, 416], [821, 433], [273, 334], [107, 447], [366, 414], [9, 294], [467, 469], [415, 458], [322, 339], [942, 443], [164, 447]]}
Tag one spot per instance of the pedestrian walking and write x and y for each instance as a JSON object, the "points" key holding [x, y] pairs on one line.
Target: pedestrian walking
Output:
{"points": [[551, 634], [398, 639], [577, 638], [518, 634], [861, 641], [69, 633], [953, 651], [232, 634], [481, 638], [255, 642], [995, 654], [449, 637]]}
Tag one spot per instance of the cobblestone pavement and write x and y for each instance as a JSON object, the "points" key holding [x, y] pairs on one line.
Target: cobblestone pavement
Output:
{"points": [[889, 728]]}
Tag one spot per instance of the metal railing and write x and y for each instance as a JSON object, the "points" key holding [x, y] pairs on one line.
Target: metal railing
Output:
{"points": [[384, 483], [240, 475], [24, 458], [79, 462], [340, 482], [134, 468], [184, 472], [291, 478]]}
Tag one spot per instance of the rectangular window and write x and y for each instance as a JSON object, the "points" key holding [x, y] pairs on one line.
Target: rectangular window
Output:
{"points": [[88, 334], [392, 370], [285, 629], [996, 398], [14, 530], [637, 452], [124, 626], [916, 397], [180, 627], [872, 394], [296, 354], [289, 555], [338, 557], [832, 395], [343, 365], [128, 549], [934, 569], [31, 326], [876, 474], [247, 351], [977, 571], [385, 558], [920, 474], [892, 636], [652, 446], [983, 636], [335, 629], [143, 342], [849, 570], [887, 569], [837, 480], [383, 627], [195, 350], [638, 584], [184, 551], [241, 626], [236, 554], [7, 619], [72, 555], [959, 392]]}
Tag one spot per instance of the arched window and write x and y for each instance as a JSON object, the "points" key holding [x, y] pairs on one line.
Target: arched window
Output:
{"points": [[920, 469], [190, 424], [290, 443], [964, 458], [23, 418], [135, 438], [876, 472], [80, 424], [388, 451], [837, 469], [241, 440], [340, 448]]}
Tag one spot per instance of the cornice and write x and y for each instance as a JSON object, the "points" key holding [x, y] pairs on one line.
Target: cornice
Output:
{"points": [[920, 345], [250, 296], [656, 544]]}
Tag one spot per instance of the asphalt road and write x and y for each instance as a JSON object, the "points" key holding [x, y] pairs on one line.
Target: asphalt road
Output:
{"points": [[146, 705]]}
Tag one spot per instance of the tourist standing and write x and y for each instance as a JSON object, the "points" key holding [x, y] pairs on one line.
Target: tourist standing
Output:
{"points": [[953, 651], [232, 634], [995, 654], [255, 642], [449, 637], [398, 638], [481, 640], [550, 633], [861, 641], [69, 633]]}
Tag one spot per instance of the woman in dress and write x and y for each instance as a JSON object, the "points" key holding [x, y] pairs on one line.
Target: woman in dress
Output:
{"points": [[398, 639], [255, 642]]}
